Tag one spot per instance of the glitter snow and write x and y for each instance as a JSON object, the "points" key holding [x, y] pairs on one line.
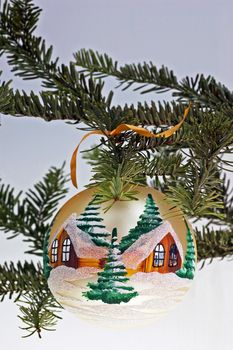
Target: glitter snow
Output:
{"points": [[158, 294]]}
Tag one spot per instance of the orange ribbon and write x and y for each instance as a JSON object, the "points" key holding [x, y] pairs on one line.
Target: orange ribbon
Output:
{"points": [[122, 127]]}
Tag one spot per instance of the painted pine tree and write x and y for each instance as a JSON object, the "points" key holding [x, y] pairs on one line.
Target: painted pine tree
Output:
{"points": [[90, 222], [111, 285], [189, 265], [148, 220], [46, 261]]}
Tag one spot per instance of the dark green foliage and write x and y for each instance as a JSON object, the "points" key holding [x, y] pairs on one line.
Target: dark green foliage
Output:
{"points": [[18, 21], [30, 58], [47, 105], [115, 181], [26, 283], [214, 244], [17, 279], [6, 97], [218, 242], [91, 222], [46, 261], [148, 221], [38, 312], [198, 193], [152, 79], [189, 264], [31, 215], [111, 286]]}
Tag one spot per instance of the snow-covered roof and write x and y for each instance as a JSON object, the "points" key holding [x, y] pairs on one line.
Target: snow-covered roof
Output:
{"points": [[142, 248], [85, 248], [72, 217], [82, 243]]}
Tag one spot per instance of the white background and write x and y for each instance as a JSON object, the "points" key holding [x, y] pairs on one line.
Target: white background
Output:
{"points": [[188, 36]]}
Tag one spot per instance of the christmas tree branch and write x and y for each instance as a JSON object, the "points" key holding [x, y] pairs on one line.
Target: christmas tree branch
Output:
{"points": [[47, 105], [31, 59], [5, 97], [38, 312], [149, 78], [27, 284], [31, 216], [190, 169], [16, 279], [26, 53], [214, 244], [75, 97]]}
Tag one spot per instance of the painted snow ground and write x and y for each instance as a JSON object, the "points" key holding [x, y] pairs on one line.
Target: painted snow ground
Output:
{"points": [[158, 294]]}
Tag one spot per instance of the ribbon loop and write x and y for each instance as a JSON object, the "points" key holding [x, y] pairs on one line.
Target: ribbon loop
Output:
{"points": [[122, 127]]}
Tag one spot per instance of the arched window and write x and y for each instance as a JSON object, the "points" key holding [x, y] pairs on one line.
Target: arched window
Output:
{"points": [[66, 250], [159, 255], [54, 251], [173, 255]]}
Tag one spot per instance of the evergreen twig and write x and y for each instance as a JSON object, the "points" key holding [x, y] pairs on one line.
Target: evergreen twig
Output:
{"points": [[27, 284], [31, 215], [152, 79]]}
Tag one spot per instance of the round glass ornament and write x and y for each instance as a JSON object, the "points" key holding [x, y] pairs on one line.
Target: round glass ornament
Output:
{"points": [[127, 266]]}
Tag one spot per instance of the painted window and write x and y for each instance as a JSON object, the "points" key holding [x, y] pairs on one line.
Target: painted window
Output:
{"points": [[173, 255], [66, 250], [54, 251], [159, 255]]}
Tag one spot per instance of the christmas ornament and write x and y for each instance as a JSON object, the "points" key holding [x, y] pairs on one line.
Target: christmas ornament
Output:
{"points": [[126, 266]]}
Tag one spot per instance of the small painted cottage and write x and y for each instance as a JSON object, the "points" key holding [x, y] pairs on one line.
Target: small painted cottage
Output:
{"points": [[156, 251], [159, 250], [72, 247]]}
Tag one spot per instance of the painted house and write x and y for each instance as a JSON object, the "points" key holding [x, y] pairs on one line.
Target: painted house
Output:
{"points": [[73, 247], [62, 252], [157, 251]]}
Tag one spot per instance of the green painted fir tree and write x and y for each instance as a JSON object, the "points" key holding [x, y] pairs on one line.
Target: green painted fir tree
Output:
{"points": [[46, 261], [149, 220], [111, 285], [91, 222], [189, 265]]}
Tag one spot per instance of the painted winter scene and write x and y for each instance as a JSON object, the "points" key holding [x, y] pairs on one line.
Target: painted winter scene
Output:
{"points": [[118, 282]]}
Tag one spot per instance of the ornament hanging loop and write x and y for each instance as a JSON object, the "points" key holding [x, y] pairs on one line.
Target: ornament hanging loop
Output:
{"points": [[118, 130]]}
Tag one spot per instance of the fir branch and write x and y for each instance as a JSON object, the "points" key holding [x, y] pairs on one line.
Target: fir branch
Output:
{"points": [[47, 105], [6, 97], [53, 105], [204, 90], [197, 194], [226, 191], [31, 59], [116, 180], [198, 191], [214, 244], [27, 284], [166, 163], [20, 278], [26, 53], [38, 312], [31, 215]]}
